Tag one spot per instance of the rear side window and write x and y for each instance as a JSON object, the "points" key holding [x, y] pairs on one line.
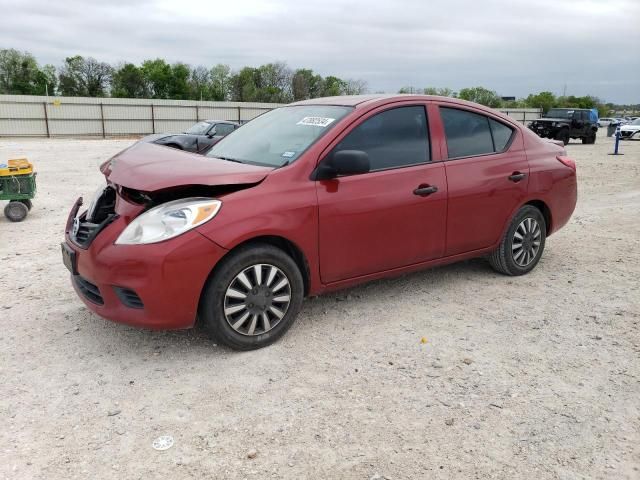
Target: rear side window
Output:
{"points": [[469, 134], [501, 135], [224, 129], [393, 138]]}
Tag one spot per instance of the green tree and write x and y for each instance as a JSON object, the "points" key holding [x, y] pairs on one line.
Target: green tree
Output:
{"points": [[305, 84], [84, 77], [157, 76], [220, 76], [129, 82], [333, 86], [544, 100], [200, 84], [481, 95], [244, 85], [179, 81], [442, 92], [20, 74]]}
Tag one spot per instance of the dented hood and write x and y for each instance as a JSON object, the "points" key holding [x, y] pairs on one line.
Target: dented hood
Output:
{"points": [[148, 167]]}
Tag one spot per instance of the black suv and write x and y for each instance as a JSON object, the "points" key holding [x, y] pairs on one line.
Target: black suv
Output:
{"points": [[566, 123]]}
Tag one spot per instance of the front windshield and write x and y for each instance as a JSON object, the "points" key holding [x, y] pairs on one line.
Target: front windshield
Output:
{"points": [[559, 113], [636, 122], [199, 128], [280, 136]]}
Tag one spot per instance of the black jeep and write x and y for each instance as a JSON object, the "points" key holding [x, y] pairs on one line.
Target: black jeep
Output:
{"points": [[566, 123]]}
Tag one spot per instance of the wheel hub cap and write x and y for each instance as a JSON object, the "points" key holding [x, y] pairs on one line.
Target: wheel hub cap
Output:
{"points": [[525, 243], [257, 299]]}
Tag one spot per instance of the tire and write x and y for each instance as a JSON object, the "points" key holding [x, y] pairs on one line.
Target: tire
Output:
{"points": [[589, 140], [265, 268], [27, 203], [509, 259], [563, 135], [16, 211]]}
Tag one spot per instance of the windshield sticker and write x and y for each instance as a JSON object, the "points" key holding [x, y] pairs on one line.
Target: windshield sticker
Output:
{"points": [[288, 154], [316, 121]]}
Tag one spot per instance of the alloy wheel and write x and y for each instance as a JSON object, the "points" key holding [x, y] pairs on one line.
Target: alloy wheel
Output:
{"points": [[525, 244], [257, 299]]}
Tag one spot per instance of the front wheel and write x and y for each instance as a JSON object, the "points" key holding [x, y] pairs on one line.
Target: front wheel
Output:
{"points": [[522, 244], [252, 298]]}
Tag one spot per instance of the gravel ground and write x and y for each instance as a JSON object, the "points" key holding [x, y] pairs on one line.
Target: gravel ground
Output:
{"points": [[523, 378]]}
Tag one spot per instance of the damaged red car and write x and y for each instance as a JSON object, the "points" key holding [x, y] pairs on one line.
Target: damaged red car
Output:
{"points": [[315, 196]]}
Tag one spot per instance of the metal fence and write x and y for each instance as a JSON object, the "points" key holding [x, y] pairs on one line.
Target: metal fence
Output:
{"points": [[110, 117], [35, 116]]}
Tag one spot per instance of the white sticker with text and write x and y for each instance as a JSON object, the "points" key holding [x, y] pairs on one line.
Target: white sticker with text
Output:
{"points": [[316, 121]]}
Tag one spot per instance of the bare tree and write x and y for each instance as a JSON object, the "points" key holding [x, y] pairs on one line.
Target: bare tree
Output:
{"points": [[355, 87]]}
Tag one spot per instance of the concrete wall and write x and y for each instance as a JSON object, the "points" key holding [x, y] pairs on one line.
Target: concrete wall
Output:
{"points": [[35, 116]]}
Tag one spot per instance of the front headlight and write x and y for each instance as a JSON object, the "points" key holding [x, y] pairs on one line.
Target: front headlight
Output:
{"points": [[169, 220]]}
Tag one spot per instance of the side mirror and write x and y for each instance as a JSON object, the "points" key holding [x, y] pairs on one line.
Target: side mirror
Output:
{"points": [[212, 133], [343, 162]]}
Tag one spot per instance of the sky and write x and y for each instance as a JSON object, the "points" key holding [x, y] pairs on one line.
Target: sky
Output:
{"points": [[514, 47]]}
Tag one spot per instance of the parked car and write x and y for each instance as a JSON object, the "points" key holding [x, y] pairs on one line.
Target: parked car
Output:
{"points": [[308, 198], [631, 130], [198, 138], [567, 123], [605, 121]]}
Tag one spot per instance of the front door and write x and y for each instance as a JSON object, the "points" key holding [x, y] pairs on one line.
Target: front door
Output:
{"points": [[393, 216]]}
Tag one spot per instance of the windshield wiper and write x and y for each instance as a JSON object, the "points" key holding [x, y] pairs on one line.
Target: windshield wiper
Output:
{"points": [[229, 159]]}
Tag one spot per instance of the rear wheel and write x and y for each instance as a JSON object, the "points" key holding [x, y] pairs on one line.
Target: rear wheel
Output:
{"points": [[16, 211], [523, 243], [253, 297], [563, 135], [27, 203], [590, 140]]}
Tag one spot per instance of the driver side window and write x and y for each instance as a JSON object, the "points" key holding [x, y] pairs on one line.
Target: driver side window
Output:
{"points": [[392, 139]]}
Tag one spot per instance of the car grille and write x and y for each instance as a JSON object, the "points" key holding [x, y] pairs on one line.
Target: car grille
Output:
{"points": [[90, 291], [626, 134], [85, 230], [128, 297], [85, 233]]}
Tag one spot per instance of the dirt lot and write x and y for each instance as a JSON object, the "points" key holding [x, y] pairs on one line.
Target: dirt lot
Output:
{"points": [[531, 378]]}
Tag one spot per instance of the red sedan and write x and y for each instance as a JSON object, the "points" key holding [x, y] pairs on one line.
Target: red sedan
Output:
{"points": [[315, 196]]}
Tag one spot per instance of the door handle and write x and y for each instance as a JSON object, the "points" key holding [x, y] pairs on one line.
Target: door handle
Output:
{"points": [[425, 190], [517, 176]]}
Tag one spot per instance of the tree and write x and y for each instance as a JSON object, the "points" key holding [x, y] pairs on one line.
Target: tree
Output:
{"points": [[481, 95], [443, 92], [20, 74], [157, 76], [274, 83], [220, 82], [244, 85], [305, 84], [200, 84], [179, 81], [544, 100], [333, 86], [85, 77], [128, 82], [354, 87]]}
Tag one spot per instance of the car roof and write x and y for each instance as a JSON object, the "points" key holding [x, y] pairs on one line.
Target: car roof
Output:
{"points": [[361, 101], [220, 121]]}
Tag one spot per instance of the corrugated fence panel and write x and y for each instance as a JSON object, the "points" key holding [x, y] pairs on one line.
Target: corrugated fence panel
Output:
{"points": [[27, 115]]}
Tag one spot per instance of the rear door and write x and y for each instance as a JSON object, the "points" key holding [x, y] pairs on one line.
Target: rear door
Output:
{"points": [[393, 216], [487, 175]]}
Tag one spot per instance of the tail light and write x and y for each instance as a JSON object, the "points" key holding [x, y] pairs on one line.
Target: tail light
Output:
{"points": [[569, 162]]}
